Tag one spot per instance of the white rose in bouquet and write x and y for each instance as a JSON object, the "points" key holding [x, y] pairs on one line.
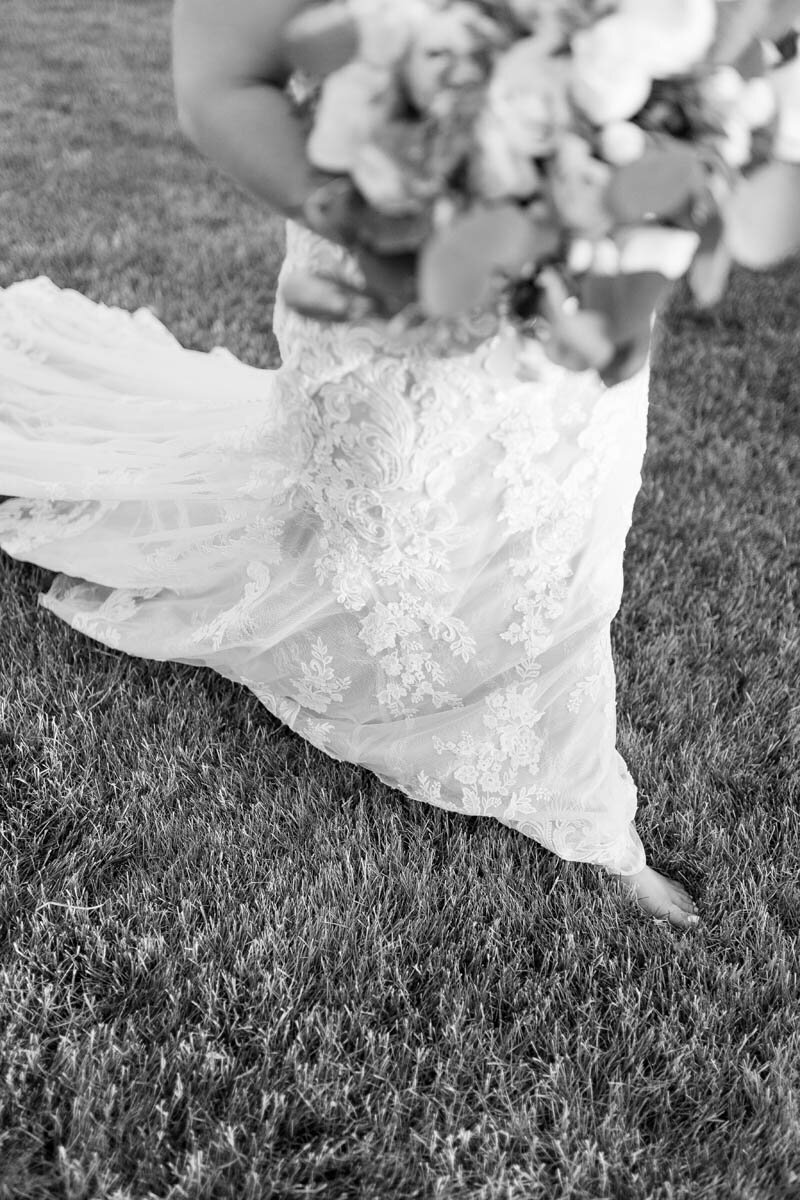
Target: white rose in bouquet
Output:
{"points": [[736, 143], [381, 181], [786, 81], [355, 102], [671, 35], [737, 106], [611, 79], [498, 169], [578, 184], [528, 93], [385, 28], [721, 90], [622, 142], [758, 103], [727, 95], [526, 110], [444, 52]]}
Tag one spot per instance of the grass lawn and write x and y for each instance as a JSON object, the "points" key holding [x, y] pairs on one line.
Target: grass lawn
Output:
{"points": [[231, 967]]}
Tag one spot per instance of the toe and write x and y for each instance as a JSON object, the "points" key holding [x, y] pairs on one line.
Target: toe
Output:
{"points": [[685, 901], [683, 916]]}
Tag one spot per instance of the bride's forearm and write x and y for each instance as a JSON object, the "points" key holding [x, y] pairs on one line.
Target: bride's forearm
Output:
{"points": [[251, 132], [228, 75]]}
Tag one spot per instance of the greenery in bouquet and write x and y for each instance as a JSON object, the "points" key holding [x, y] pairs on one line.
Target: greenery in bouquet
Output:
{"points": [[560, 161]]}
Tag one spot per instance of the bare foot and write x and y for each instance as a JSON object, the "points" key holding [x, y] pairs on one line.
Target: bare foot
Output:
{"points": [[661, 897]]}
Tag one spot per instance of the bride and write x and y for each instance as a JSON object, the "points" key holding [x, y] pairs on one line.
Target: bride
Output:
{"points": [[409, 555]]}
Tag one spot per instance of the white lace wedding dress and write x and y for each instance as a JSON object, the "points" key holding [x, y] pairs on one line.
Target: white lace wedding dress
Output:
{"points": [[411, 557]]}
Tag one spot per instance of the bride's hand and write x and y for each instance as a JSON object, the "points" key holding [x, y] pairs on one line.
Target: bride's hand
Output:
{"points": [[389, 286], [384, 253]]}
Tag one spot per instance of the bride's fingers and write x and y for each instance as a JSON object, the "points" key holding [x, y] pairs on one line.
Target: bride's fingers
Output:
{"points": [[390, 279], [325, 298]]}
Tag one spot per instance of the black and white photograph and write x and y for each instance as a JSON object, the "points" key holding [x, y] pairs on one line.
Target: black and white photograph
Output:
{"points": [[399, 599]]}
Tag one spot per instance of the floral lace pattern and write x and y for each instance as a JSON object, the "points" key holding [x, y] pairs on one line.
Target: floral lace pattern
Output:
{"points": [[407, 548], [319, 686]]}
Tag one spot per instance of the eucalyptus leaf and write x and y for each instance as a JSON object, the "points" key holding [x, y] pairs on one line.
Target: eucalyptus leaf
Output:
{"points": [[739, 23], [709, 273], [629, 358], [626, 301], [465, 265], [660, 183], [762, 216], [783, 15], [752, 62]]}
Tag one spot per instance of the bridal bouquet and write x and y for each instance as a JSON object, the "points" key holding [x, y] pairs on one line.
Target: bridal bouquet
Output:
{"points": [[558, 161]]}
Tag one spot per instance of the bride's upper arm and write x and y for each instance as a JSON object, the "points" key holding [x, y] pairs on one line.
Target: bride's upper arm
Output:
{"points": [[227, 43]]}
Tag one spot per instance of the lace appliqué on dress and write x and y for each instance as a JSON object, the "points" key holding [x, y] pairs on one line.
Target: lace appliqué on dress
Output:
{"points": [[319, 686]]}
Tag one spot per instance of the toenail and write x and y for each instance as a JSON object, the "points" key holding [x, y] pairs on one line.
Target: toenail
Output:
{"points": [[693, 920]]}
